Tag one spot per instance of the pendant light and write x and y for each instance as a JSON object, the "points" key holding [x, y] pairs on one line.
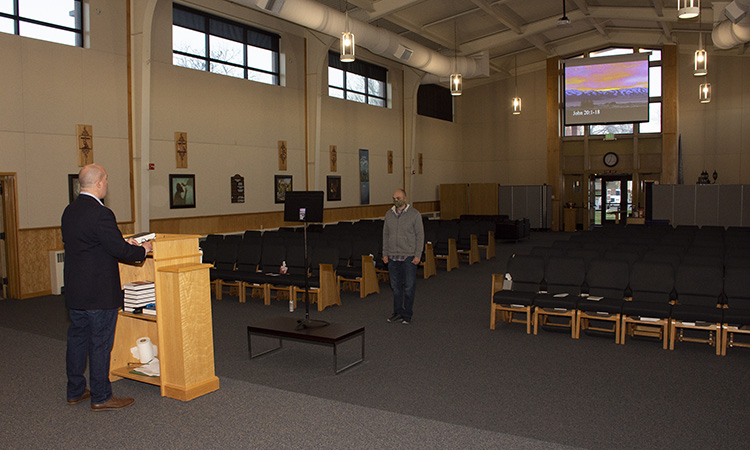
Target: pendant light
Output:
{"points": [[347, 40], [516, 99], [704, 92], [456, 80], [701, 58], [688, 9]]}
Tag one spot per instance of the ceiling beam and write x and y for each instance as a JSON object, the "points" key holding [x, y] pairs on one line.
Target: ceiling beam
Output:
{"points": [[506, 17], [667, 30], [600, 13], [367, 5], [582, 5], [427, 34], [383, 8], [658, 7]]}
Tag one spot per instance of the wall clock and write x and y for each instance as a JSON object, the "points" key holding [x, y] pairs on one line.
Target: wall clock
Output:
{"points": [[611, 159]]}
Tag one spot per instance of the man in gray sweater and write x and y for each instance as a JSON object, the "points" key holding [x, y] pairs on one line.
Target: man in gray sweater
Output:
{"points": [[403, 242]]}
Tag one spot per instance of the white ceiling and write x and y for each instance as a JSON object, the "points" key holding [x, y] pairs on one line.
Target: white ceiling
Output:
{"points": [[528, 29]]}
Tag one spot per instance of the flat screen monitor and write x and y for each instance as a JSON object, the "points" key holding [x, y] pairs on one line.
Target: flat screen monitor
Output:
{"points": [[303, 206], [608, 89]]}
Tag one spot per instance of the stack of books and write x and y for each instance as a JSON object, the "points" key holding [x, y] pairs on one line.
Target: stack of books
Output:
{"points": [[140, 297]]}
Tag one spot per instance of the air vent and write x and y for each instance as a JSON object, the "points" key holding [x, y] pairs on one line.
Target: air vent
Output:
{"points": [[403, 53], [273, 6]]}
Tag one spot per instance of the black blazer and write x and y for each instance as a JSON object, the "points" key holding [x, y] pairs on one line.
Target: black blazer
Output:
{"points": [[93, 246]]}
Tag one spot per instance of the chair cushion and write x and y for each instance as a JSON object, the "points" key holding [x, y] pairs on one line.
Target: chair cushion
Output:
{"points": [[607, 304], [550, 301], [737, 316], [647, 309], [514, 298], [692, 313]]}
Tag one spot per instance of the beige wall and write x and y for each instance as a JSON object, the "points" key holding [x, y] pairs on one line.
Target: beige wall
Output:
{"points": [[45, 90], [716, 135], [497, 146]]}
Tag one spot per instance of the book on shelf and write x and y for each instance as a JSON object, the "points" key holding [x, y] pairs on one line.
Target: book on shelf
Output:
{"points": [[138, 285], [140, 310], [139, 303], [137, 295], [143, 237]]}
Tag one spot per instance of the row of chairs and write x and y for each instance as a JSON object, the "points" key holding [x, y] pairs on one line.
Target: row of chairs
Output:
{"points": [[252, 260], [632, 253], [244, 264], [645, 298]]}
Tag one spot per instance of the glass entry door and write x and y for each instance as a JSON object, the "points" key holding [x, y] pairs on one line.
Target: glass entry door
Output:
{"points": [[612, 198]]}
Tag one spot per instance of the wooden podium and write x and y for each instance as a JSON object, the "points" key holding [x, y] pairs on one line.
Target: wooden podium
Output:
{"points": [[182, 328]]}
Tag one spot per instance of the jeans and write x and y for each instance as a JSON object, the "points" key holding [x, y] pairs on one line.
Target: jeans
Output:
{"points": [[91, 334], [403, 275]]}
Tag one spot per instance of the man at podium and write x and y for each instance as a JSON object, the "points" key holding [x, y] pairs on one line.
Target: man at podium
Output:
{"points": [[93, 294]]}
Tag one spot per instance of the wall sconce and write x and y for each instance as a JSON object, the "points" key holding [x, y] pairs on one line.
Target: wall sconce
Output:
{"points": [[347, 40], [516, 100], [704, 92], [688, 9]]}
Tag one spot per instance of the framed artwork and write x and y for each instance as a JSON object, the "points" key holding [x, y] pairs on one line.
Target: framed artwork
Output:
{"points": [[85, 137], [334, 158], [181, 150], [282, 155], [281, 184], [182, 189], [333, 188], [390, 161], [364, 176], [74, 187]]}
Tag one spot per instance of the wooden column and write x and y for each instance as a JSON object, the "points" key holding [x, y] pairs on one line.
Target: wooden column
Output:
{"points": [[669, 116]]}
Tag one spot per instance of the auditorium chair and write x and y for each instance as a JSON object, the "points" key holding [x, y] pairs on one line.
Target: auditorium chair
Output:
{"points": [[563, 277], [514, 291], [648, 311], [737, 312], [697, 307], [607, 282]]}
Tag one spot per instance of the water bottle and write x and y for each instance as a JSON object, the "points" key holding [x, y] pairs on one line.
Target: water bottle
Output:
{"points": [[291, 305]]}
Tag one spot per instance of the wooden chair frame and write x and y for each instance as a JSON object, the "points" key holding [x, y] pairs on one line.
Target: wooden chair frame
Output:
{"points": [[428, 265], [727, 337], [582, 323], [633, 325], [472, 253], [368, 282], [328, 293], [451, 259], [234, 287], [264, 290], [490, 248], [682, 325], [572, 314], [507, 311]]}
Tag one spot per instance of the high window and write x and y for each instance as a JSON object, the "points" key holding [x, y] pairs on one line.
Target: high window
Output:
{"points": [[49, 20], [203, 41], [654, 93], [358, 81]]}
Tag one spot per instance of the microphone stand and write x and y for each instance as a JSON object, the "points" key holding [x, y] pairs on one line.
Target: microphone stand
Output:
{"points": [[307, 322]]}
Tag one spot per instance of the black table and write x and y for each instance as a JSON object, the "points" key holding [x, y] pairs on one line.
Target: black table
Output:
{"points": [[286, 328]]}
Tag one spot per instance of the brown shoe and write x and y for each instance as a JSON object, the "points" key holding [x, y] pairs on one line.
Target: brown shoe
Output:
{"points": [[86, 395], [112, 403]]}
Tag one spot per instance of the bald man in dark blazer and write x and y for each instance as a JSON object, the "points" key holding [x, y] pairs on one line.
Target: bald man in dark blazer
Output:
{"points": [[93, 294]]}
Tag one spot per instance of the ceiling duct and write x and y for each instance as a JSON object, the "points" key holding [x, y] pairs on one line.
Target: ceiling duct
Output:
{"points": [[318, 17], [735, 30]]}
